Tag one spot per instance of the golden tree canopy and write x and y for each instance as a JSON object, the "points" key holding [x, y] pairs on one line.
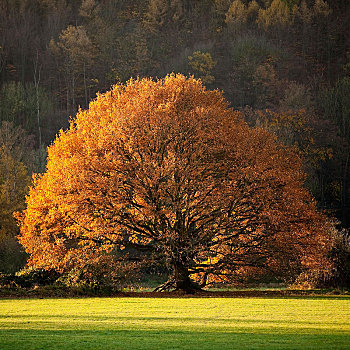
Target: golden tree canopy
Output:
{"points": [[167, 168]]}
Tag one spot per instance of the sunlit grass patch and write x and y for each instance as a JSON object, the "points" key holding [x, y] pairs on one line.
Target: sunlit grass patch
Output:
{"points": [[175, 323]]}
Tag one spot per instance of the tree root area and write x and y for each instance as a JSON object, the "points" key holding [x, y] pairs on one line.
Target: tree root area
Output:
{"points": [[200, 293], [185, 287]]}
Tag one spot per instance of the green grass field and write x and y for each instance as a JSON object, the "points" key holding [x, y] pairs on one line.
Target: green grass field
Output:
{"points": [[175, 323]]}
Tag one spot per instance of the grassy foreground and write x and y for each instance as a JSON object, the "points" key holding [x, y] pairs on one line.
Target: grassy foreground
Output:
{"points": [[175, 323]]}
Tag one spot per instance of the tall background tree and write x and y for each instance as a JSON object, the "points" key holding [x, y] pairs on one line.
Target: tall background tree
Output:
{"points": [[14, 182]]}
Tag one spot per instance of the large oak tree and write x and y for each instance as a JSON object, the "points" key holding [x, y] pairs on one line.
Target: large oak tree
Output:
{"points": [[166, 168]]}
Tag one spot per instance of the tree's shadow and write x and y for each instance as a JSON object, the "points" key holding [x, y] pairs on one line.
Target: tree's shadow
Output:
{"points": [[165, 339]]}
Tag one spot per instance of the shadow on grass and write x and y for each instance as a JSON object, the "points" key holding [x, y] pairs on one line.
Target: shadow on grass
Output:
{"points": [[23, 339]]}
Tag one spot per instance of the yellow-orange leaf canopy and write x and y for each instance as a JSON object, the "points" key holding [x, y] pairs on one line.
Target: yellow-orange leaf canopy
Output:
{"points": [[166, 168]]}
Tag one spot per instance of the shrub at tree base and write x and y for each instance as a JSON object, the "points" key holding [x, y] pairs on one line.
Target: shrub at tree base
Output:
{"points": [[28, 278], [164, 170]]}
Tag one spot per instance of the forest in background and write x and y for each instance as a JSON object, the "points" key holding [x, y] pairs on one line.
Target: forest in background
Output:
{"points": [[285, 64]]}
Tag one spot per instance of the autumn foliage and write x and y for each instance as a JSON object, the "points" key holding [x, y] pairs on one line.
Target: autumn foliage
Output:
{"points": [[164, 170]]}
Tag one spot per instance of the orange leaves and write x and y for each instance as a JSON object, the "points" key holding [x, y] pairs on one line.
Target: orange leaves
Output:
{"points": [[165, 166]]}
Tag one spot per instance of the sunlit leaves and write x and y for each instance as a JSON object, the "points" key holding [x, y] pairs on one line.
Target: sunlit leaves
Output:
{"points": [[165, 167]]}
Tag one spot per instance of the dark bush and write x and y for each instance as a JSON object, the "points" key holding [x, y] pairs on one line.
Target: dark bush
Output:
{"points": [[28, 278]]}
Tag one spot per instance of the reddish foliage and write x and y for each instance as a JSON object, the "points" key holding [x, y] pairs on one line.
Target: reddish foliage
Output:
{"points": [[165, 167]]}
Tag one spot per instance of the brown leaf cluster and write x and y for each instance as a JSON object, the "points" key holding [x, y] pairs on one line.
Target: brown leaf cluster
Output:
{"points": [[165, 168]]}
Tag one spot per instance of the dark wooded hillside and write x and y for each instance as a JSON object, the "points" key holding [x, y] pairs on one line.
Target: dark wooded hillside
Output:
{"points": [[284, 63]]}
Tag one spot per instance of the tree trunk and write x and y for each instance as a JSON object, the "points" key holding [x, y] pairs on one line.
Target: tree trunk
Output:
{"points": [[181, 277], [179, 281], [182, 281], [36, 84], [85, 88]]}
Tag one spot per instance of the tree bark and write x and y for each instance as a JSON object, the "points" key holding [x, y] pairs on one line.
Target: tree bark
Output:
{"points": [[181, 277], [179, 281], [36, 84]]}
